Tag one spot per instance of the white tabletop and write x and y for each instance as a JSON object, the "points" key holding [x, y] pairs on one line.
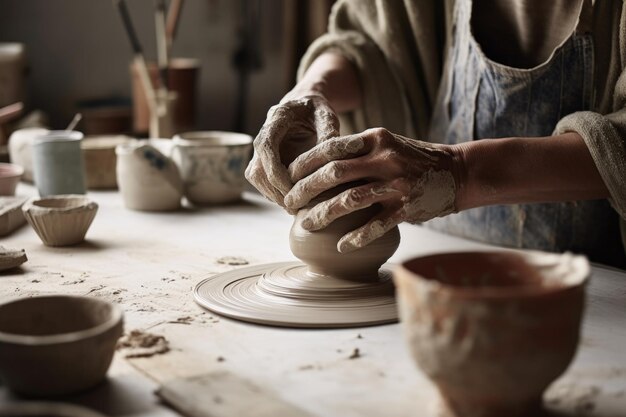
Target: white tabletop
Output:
{"points": [[150, 262]]}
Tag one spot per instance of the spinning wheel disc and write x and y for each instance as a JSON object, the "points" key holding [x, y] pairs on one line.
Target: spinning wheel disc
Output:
{"points": [[283, 294]]}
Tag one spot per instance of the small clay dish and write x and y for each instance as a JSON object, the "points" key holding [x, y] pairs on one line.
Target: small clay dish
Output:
{"points": [[492, 329], [60, 220], [57, 345], [10, 175]]}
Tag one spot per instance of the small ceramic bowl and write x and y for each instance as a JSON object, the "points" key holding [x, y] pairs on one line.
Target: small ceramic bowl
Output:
{"points": [[100, 160], [212, 165], [492, 329], [57, 345], [60, 220], [10, 175]]}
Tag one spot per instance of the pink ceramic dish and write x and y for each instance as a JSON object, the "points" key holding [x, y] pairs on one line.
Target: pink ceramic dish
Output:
{"points": [[10, 175]]}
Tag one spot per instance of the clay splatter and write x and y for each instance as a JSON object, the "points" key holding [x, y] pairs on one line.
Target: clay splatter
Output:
{"points": [[356, 353], [139, 344], [232, 260]]}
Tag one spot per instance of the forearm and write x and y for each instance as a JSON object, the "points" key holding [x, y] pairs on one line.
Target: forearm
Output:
{"points": [[334, 77], [526, 170]]}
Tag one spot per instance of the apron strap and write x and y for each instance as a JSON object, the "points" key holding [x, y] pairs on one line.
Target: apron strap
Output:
{"points": [[585, 18]]}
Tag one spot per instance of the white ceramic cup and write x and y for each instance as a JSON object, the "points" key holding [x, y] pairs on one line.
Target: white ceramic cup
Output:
{"points": [[58, 165], [212, 165], [146, 176]]}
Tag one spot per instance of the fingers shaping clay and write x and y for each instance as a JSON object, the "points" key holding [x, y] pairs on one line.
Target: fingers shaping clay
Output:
{"points": [[329, 290]]}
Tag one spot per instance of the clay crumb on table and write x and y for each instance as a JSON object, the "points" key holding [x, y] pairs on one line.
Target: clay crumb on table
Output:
{"points": [[232, 260], [356, 353], [139, 344]]}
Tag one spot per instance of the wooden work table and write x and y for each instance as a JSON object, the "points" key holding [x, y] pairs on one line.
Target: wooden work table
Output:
{"points": [[149, 263]]}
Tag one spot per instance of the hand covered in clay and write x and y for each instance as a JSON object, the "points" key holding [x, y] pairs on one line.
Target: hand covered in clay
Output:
{"points": [[295, 125], [412, 181]]}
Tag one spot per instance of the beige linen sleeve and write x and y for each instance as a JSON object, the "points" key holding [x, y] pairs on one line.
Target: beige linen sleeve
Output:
{"points": [[399, 75], [604, 128]]}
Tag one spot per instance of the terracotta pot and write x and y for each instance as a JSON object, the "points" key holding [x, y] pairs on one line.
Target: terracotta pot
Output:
{"points": [[212, 165], [61, 220], [57, 345], [319, 249], [148, 179], [10, 175], [492, 329], [100, 160], [182, 77]]}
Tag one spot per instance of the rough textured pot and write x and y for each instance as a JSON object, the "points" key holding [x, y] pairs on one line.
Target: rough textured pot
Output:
{"points": [[60, 220], [212, 165], [21, 149], [10, 175], [101, 161], [58, 163], [492, 330], [57, 345], [11, 258], [318, 249], [148, 179]]}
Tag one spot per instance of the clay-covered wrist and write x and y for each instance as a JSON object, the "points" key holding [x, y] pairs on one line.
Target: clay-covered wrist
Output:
{"points": [[459, 170]]}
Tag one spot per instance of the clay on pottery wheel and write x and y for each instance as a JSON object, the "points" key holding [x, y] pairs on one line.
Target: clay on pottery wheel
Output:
{"points": [[333, 290], [318, 250], [492, 330]]}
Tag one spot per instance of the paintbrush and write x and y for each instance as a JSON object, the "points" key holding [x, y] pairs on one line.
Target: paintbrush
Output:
{"points": [[173, 16], [140, 62], [74, 122], [161, 41]]}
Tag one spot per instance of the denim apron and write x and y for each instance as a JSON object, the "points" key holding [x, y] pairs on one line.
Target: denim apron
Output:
{"points": [[480, 98]]}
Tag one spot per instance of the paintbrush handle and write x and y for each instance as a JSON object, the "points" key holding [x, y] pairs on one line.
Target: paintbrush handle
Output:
{"points": [[128, 25], [144, 77], [161, 41], [172, 20]]}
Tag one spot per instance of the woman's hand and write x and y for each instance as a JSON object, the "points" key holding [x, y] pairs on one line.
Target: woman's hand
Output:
{"points": [[295, 125], [412, 181]]}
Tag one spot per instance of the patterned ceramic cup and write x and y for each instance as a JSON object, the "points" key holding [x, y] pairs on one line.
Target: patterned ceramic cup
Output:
{"points": [[212, 165]]}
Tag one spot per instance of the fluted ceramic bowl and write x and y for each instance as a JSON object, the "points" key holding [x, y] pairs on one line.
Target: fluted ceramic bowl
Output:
{"points": [[61, 220], [57, 345]]}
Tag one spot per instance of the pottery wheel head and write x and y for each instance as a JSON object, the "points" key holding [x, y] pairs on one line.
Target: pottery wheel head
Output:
{"points": [[284, 294]]}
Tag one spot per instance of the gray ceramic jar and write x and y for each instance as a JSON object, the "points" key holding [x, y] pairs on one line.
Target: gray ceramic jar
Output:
{"points": [[58, 165]]}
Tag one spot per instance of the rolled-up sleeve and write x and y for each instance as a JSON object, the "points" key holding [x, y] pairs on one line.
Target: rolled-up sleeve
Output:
{"points": [[398, 76]]}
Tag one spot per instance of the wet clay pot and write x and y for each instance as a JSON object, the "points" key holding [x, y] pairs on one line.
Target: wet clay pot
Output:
{"points": [[318, 249], [57, 345], [492, 330]]}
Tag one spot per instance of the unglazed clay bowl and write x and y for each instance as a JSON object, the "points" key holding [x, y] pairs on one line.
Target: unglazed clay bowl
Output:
{"points": [[212, 165], [100, 160], [318, 249], [10, 175], [57, 345], [492, 329], [45, 409], [147, 177], [60, 220]]}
